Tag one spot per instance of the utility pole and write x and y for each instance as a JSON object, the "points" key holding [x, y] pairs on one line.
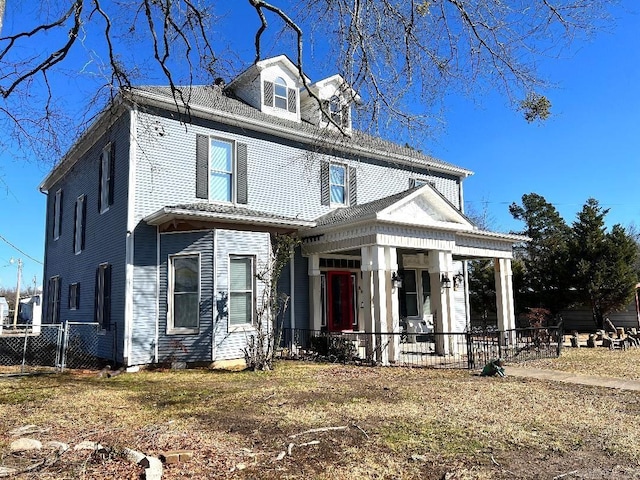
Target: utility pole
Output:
{"points": [[15, 308]]}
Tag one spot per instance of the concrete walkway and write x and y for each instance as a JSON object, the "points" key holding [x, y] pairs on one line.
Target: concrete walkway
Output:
{"points": [[558, 376]]}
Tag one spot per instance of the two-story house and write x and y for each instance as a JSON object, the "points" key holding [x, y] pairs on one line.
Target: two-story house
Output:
{"points": [[159, 217]]}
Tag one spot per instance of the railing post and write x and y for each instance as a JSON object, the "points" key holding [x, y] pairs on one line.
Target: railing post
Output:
{"points": [[470, 360]]}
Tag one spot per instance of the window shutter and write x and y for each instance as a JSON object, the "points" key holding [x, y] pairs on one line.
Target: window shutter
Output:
{"points": [[69, 302], [95, 296], [100, 173], [346, 112], [58, 284], [325, 197], [412, 183], [83, 222], [268, 93], [292, 100], [202, 166], [242, 195], [107, 299], [49, 315], [78, 295], [112, 171], [60, 213], [353, 187], [75, 224]]}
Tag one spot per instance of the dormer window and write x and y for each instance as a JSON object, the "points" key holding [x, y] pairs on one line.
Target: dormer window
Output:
{"points": [[277, 94], [337, 111]]}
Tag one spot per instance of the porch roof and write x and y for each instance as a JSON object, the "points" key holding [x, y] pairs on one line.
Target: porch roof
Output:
{"points": [[419, 218], [227, 213]]}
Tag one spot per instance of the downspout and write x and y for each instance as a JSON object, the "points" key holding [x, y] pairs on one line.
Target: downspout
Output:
{"points": [[129, 242]]}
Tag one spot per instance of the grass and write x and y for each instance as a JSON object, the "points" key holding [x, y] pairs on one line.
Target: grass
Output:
{"points": [[401, 423]]}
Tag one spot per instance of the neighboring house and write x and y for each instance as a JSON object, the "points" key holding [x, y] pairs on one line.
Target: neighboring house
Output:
{"points": [[158, 219]]}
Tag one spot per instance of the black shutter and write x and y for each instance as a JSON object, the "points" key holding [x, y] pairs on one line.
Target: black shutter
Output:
{"points": [[292, 100], [353, 187], [69, 300], [78, 295], [202, 166], [268, 93], [58, 283], [83, 224], [242, 195], [49, 316], [75, 224], [412, 182], [325, 195], [106, 317], [112, 171], [60, 210], [100, 174], [96, 293]]}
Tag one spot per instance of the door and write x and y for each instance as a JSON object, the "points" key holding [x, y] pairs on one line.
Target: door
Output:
{"points": [[340, 301]]}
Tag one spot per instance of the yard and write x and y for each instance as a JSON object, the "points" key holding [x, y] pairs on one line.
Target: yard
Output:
{"points": [[400, 422]]}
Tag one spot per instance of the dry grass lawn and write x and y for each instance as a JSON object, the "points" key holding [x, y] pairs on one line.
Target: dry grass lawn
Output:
{"points": [[400, 423]]}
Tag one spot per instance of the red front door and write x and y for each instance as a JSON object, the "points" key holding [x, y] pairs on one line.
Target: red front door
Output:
{"points": [[340, 301]]}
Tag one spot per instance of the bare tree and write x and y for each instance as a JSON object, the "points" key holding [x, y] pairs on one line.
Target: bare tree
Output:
{"points": [[401, 56]]}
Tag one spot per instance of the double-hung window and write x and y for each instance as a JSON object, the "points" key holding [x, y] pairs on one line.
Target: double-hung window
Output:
{"points": [[337, 183], [221, 170], [57, 214], [102, 310], [105, 187], [277, 94], [79, 224], [53, 300], [74, 296], [184, 293], [280, 97], [241, 290]]}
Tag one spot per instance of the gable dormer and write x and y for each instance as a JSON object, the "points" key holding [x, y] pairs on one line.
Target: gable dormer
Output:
{"points": [[271, 86], [336, 98]]}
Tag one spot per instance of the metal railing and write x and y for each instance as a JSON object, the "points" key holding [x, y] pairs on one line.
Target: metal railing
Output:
{"points": [[28, 348], [462, 350]]}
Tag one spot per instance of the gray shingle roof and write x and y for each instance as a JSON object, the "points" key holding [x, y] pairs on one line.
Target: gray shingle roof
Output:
{"points": [[352, 214], [231, 210], [210, 97]]}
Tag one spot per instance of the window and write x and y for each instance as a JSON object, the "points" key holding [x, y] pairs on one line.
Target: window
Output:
{"points": [[79, 224], [221, 170], [280, 93], [105, 188], [337, 183], [277, 94], [74, 296], [408, 294], [335, 110], [57, 214], [102, 311], [184, 294], [53, 300], [419, 182], [241, 290]]}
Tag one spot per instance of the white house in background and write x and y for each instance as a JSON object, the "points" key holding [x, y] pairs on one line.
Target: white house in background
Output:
{"points": [[158, 218]]}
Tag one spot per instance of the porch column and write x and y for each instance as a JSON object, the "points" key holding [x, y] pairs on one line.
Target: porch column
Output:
{"points": [[366, 300], [380, 303], [441, 263], [393, 305], [504, 297], [315, 303]]}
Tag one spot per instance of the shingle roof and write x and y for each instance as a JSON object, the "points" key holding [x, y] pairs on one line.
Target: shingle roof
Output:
{"points": [[351, 214], [231, 210], [210, 97]]}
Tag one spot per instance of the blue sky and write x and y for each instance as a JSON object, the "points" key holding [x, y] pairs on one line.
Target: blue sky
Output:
{"points": [[590, 147]]}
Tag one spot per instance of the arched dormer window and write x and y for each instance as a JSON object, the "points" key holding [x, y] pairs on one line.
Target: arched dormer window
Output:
{"points": [[276, 94], [280, 93]]}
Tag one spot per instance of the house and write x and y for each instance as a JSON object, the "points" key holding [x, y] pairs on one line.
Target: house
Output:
{"points": [[159, 217]]}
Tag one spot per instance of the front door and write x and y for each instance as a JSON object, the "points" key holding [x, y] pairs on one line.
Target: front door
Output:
{"points": [[340, 301]]}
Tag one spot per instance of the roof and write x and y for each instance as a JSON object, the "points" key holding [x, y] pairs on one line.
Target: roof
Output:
{"points": [[223, 212], [205, 99]]}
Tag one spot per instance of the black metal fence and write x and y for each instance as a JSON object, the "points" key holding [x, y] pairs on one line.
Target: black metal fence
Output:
{"points": [[49, 347], [461, 350]]}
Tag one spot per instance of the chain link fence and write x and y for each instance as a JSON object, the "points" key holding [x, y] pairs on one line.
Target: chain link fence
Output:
{"points": [[28, 348]]}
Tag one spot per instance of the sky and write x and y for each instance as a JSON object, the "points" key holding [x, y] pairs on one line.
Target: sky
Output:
{"points": [[590, 147]]}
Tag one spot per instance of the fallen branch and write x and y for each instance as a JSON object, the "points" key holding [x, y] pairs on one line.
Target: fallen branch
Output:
{"points": [[557, 477], [494, 461], [358, 427], [317, 430], [312, 442]]}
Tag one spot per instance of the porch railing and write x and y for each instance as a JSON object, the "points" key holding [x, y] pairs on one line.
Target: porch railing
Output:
{"points": [[462, 350]]}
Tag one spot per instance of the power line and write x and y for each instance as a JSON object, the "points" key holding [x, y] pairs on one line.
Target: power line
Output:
{"points": [[22, 252]]}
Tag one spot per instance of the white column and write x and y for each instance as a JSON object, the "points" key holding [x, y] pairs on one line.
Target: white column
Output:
{"points": [[441, 263], [366, 300], [315, 303], [393, 305], [504, 296], [378, 265]]}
